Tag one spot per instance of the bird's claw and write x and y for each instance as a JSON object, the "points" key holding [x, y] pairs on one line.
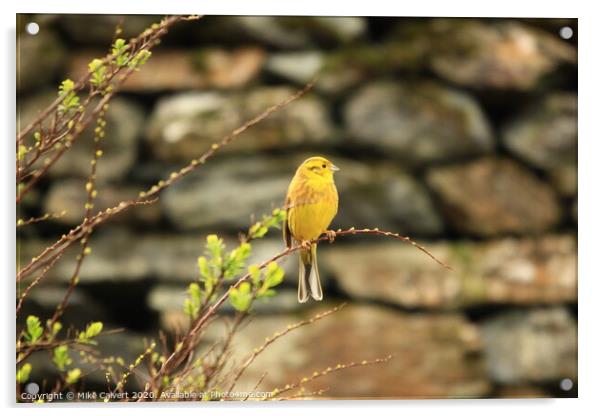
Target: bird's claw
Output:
{"points": [[306, 245], [331, 234]]}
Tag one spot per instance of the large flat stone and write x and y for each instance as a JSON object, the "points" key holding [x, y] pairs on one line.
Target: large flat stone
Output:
{"points": [[507, 271]]}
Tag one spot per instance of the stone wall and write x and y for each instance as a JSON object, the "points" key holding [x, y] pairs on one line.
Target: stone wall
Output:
{"points": [[459, 133]]}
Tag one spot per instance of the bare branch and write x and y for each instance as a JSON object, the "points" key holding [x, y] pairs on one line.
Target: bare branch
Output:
{"points": [[154, 190], [319, 374], [276, 336]]}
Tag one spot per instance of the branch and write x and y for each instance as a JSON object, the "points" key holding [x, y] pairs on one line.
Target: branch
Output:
{"points": [[33, 220], [318, 374], [275, 337], [83, 81], [74, 234], [79, 122], [188, 342]]}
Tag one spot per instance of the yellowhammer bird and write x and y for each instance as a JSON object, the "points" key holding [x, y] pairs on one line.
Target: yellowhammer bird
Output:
{"points": [[311, 204]]}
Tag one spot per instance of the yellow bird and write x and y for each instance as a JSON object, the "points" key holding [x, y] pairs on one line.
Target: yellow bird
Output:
{"points": [[311, 204]]}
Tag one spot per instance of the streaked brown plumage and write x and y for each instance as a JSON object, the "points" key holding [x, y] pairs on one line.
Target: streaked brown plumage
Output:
{"points": [[311, 203]]}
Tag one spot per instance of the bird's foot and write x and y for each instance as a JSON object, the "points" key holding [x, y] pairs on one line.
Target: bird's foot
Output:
{"points": [[331, 234], [306, 245]]}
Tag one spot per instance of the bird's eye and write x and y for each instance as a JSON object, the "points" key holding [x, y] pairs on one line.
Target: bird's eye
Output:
{"points": [[324, 166]]}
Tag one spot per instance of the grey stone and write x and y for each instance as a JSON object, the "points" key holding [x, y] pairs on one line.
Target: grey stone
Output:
{"points": [[546, 137], [30, 106], [270, 30], [374, 195], [337, 29], [494, 196], [285, 32], [39, 59], [510, 271], [81, 309], [70, 196], [299, 67], [380, 195], [125, 120], [348, 67], [182, 69], [417, 123], [503, 54], [99, 29], [225, 196], [183, 126], [538, 345], [119, 255]]}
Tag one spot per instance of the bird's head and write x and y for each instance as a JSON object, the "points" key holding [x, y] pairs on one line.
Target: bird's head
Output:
{"points": [[319, 166]]}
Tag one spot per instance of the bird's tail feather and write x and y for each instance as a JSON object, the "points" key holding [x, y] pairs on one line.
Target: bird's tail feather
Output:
{"points": [[309, 277]]}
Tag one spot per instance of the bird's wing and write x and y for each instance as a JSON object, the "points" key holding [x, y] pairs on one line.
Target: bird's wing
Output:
{"points": [[286, 232]]}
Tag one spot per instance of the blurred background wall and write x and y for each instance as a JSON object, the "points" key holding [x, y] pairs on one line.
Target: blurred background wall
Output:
{"points": [[461, 133]]}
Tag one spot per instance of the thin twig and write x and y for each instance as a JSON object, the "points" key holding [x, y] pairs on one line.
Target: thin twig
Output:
{"points": [[318, 374], [187, 343], [36, 281], [276, 336], [88, 206], [164, 24], [263, 375], [34, 220], [76, 233], [142, 199], [25, 351]]}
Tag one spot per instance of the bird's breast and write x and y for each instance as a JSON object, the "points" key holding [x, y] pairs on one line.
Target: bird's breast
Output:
{"points": [[313, 206]]}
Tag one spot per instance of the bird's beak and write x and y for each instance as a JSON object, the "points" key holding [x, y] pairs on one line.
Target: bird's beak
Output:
{"points": [[334, 168]]}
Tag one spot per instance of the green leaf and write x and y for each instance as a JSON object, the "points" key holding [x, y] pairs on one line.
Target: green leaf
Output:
{"points": [[209, 285], [261, 228], [241, 297], [215, 248], [92, 330], [73, 376], [255, 273], [95, 64], [235, 260], [66, 87], [279, 214], [203, 267], [139, 59], [192, 304], [70, 98], [195, 291], [23, 373], [56, 327], [98, 71], [215, 245], [119, 52], [274, 275], [118, 46], [34, 329], [258, 230], [60, 357], [23, 150]]}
